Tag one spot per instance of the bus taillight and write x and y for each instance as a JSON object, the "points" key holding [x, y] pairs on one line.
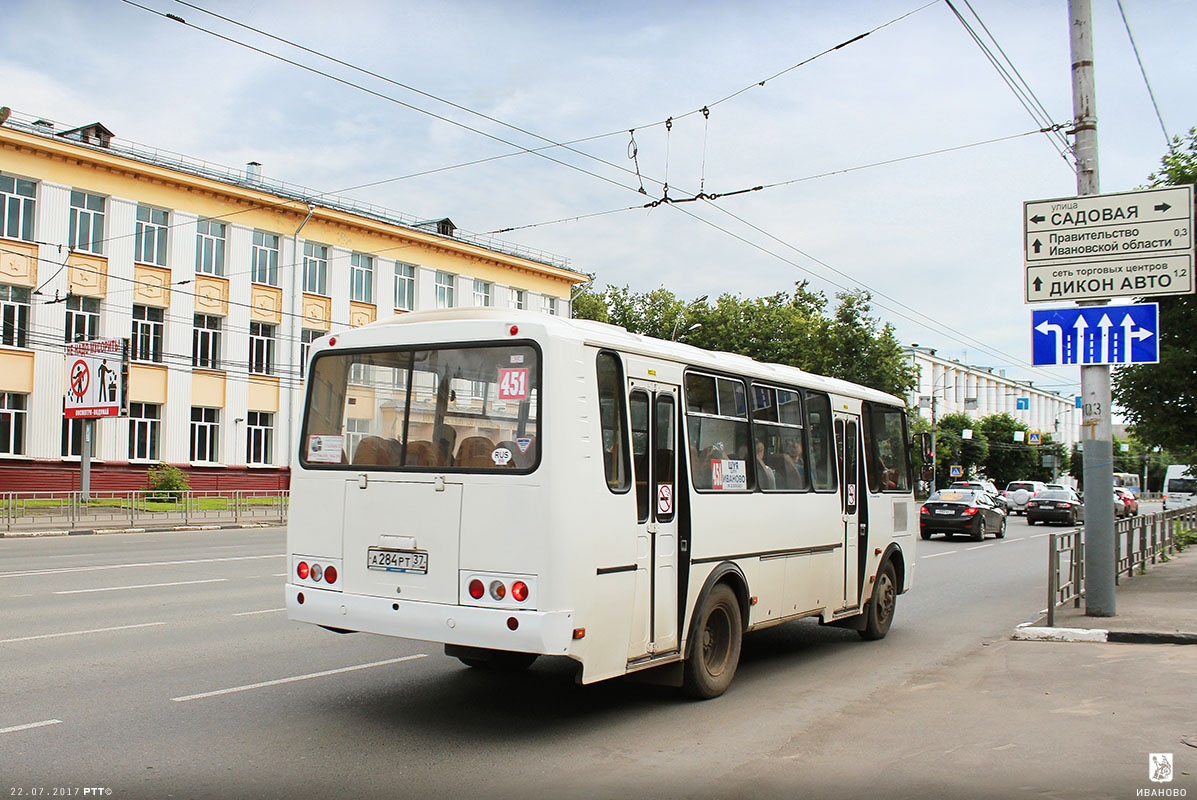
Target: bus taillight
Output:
{"points": [[302, 570], [330, 574], [497, 590], [477, 589], [519, 591]]}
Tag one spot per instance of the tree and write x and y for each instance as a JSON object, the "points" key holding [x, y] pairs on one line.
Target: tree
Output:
{"points": [[1008, 460], [951, 448], [791, 328], [1160, 400]]}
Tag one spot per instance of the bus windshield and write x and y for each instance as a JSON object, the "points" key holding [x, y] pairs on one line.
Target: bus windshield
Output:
{"points": [[458, 408]]}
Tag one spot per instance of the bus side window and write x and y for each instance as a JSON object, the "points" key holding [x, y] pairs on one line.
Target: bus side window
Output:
{"points": [[640, 444], [822, 446], [612, 417]]}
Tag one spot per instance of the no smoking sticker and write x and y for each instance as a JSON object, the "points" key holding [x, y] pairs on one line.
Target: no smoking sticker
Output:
{"points": [[665, 500]]}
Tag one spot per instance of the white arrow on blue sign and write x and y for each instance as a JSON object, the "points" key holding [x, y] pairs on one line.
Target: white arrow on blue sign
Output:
{"points": [[1096, 335]]}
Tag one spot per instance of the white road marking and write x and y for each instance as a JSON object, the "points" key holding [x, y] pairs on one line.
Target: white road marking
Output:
{"points": [[80, 633], [980, 546], [63, 570], [265, 611], [1038, 535], [31, 725], [944, 553], [279, 681], [142, 586]]}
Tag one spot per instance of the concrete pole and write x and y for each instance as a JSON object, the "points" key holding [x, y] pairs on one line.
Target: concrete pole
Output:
{"points": [[1095, 380]]}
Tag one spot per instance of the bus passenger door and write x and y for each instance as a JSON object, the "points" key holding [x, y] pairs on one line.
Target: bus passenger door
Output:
{"points": [[847, 436], [653, 409]]}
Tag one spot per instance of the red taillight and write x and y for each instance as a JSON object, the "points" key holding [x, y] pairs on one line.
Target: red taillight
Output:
{"points": [[477, 589], [302, 570], [299, 598], [519, 591], [316, 572], [970, 511], [1065, 505], [332, 341], [515, 329], [498, 590], [330, 574], [512, 623]]}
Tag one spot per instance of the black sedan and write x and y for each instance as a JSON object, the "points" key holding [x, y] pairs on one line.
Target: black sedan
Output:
{"points": [[953, 511], [1055, 505]]}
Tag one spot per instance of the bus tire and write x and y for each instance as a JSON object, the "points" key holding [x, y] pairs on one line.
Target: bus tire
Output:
{"points": [[715, 648], [880, 613]]}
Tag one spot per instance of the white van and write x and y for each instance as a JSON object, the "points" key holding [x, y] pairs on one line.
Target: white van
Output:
{"points": [[1180, 486]]}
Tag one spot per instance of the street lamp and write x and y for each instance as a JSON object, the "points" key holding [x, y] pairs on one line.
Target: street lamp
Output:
{"points": [[682, 313]]}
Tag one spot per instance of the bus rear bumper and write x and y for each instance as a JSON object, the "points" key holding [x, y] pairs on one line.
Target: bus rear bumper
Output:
{"points": [[547, 632]]}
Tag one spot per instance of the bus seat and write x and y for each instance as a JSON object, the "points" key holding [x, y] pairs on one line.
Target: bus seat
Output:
{"points": [[375, 451], [475, 451], [421, 454]]}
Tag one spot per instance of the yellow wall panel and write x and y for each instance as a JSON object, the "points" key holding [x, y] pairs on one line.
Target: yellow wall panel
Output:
{"points": [[263, 393], [152, 287], [87, 275], [147, 384], [207, 389], [16, 371], [18, 263], [266, 304], [361, 314], [317, 312], [211, 295]]}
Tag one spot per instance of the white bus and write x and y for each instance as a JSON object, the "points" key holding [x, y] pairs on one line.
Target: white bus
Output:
{"points": [[1128, 481], [513, 484], [1180, 486]]}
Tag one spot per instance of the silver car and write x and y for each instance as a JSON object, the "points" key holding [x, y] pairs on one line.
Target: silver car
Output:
{"points": [[1019, 492]]}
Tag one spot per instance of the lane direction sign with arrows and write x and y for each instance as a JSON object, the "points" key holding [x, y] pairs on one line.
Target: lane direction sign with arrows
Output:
{"points": [[1095, 335]]}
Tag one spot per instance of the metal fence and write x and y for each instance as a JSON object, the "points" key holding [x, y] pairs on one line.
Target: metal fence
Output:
{"points": [[1138, 541], [36, 511]]}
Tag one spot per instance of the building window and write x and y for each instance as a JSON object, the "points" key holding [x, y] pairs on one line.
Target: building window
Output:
{"points": [[209, 247], [306, 337], [261, 348], [14, 315], [16, 207], [72, 438], [205, 434], [519, 298], [264, 258], [315, 268], [82, 318], [482, 293], [446, 285], [148, 327], [149, 240], [405, 287], [87, 222], [361, 277], [145, 427], [12, 423], [259, 445], [548, 305], [205, 350]]}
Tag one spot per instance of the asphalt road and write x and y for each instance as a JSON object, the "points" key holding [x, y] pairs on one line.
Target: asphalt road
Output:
{"points": [[163, 665]]}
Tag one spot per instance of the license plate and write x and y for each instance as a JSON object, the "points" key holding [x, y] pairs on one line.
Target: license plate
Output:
{"points": [[397, 560], [945, 511]]}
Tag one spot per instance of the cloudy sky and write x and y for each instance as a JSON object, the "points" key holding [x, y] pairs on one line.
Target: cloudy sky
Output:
{"points": [[937, 239]]}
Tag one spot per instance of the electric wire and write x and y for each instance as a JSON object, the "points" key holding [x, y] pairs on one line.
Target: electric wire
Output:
{"points": [[1147, 83]]}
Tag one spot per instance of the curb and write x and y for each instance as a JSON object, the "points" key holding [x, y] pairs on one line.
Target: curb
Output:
{"points": [[1028, 633]]}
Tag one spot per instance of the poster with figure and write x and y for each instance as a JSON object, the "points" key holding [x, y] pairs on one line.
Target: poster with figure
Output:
{"points": [[93, 379]]}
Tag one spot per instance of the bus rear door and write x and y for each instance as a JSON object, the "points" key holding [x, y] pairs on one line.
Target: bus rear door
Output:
{"points": [[653, 410], [847, 441]]}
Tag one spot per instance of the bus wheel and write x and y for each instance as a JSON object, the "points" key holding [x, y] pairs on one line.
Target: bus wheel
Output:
{"points": [[715, 652], [880, 613]]}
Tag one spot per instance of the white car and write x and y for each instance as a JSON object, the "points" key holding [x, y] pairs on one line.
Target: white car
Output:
{"points": [[1019, 492]]}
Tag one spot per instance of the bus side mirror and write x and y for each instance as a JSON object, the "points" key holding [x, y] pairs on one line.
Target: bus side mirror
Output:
{"points": [[927, 447], [926, 442]]}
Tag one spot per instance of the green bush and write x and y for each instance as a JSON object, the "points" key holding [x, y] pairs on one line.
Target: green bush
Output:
{"points": [[167, 483], [1185, 537]]}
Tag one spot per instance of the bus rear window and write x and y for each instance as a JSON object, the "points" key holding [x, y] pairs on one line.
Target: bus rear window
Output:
{"points": [[464, 408]]}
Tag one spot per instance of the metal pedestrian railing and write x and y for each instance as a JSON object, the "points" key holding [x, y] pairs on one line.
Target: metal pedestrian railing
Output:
{"points": [[33, 511], [1138, 542]]}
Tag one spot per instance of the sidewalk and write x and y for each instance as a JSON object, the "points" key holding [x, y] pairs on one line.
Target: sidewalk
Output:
{"points": [[1015, 718]]}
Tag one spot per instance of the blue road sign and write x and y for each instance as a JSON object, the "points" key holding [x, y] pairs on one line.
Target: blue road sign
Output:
{"points": [[1096, 335], [956, 471], [1034, 438], [1022, 404], [1078, 401]]}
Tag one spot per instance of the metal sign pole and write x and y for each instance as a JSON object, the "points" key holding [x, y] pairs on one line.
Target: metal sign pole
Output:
{"points": [[1095, 380]]}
